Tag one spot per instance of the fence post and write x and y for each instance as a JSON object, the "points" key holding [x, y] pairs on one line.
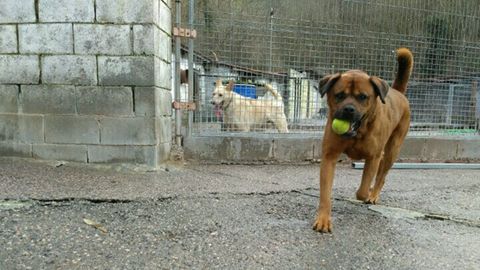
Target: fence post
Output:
{"points": [[451, 90], [178, 112], [476, 104], [191, 15]]}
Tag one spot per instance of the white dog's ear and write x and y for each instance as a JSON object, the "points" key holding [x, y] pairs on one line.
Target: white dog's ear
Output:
{"points": [[229, 86], [218, 83]]}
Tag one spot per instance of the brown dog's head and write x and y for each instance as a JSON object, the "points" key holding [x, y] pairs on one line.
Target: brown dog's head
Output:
{"points": [[352, 95]]}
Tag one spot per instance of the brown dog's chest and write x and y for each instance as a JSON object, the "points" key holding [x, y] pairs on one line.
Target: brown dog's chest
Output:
{"points": [[357, 153], [371, 138], [362, 148]]}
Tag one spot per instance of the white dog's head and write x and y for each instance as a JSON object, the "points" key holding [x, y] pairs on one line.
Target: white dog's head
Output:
{"points": [[222, 95]]}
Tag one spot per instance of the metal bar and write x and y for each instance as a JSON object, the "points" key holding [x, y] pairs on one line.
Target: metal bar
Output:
{"points": [[451, 90], [426, 166], [476, 104], [272, 12], [191, 14], [178, 112]]}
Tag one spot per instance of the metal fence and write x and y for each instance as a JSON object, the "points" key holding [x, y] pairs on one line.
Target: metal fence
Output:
{"points": [[290, 45]]}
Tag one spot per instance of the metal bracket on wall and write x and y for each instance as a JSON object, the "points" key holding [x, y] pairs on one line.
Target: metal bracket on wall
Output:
{"points": [[184, 32], [188, 106]]}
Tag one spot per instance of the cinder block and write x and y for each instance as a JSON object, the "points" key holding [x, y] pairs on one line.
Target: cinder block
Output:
{"points": [[164, 129], [163, 152], [122, 154], [150, 40], [17, 11], [48, 99], [8, 39], [21, 128], [164, 18], [127, 131], [156, 10], [13, 149], [66, 11], [163, 74], [164, 103], [71, 130], [113, 101], [102, 39], [164, 51], [8, 98], [133, 70], [126, 11], [19, 69], [45, 38], [145, 99], [144, 39], [167, 2], [69, 69], [152, 101], [76, 153]]}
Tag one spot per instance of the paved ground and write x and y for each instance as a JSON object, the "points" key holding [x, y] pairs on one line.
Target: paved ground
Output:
{"points": [[232, 217]]}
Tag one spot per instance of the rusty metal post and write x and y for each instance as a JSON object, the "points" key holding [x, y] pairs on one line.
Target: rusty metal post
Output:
{"points": [[178, 112]]}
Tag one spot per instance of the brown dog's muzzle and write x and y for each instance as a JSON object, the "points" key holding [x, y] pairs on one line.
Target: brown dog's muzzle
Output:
{"points": [[351, 114]]}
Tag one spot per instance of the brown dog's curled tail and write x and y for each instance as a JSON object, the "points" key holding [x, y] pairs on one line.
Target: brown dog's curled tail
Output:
{"points": [[405, 66]]}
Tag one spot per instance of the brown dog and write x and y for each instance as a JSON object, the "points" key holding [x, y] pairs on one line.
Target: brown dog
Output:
{"points": [[379, 117]]}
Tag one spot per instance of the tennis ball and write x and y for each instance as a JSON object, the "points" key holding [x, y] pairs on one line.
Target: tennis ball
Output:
{"points": [[340, 126]]}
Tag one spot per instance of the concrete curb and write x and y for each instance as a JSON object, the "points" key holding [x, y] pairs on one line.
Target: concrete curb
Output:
{"points": [[278, 148]]}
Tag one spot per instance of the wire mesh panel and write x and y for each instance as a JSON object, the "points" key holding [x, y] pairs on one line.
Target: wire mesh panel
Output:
{"points": [[258, 63]]}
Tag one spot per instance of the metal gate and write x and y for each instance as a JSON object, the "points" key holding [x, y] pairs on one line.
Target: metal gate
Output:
{"points": [[288, 46]]}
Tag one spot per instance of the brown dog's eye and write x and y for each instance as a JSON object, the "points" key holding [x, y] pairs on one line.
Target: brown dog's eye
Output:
{"points": [[340, 96], [362, 97], [220, 95]]}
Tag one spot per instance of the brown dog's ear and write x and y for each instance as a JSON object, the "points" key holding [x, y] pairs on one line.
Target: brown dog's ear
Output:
{"points": [[380, 86], [327, 82], [229, 86]]}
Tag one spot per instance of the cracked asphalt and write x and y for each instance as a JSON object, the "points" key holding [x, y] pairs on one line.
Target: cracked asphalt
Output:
{"points": [[232, 217]]}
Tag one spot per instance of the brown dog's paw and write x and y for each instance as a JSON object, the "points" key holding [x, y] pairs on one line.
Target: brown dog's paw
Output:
{"points": [[323, 224], [361, 196], [372, 199]]}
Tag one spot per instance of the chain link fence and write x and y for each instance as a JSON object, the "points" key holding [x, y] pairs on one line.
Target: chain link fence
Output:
{"points": [[290, 45]]}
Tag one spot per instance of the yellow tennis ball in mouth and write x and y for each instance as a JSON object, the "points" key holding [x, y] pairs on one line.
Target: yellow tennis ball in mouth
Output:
{"points": [[340, 126]]}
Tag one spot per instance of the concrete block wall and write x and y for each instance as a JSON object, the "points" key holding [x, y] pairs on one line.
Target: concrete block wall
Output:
{"points": [[86, 80]]}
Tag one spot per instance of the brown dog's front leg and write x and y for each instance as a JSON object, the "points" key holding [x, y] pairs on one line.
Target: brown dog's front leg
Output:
{"points": [[323, 221], [370, 170]]}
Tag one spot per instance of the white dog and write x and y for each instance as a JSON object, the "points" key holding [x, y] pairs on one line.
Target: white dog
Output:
{"points": [[244, 114]]}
